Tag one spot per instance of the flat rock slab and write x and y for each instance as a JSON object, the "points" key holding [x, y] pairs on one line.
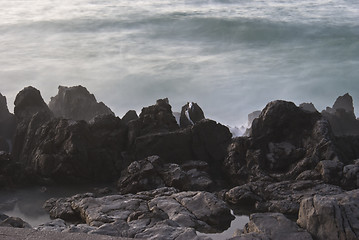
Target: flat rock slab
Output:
{"points": [[8, 233]]}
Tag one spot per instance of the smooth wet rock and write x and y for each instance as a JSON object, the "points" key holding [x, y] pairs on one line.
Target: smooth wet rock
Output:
{"points": [[331, 217], [191, 113], [77, 103], [274, 226]]}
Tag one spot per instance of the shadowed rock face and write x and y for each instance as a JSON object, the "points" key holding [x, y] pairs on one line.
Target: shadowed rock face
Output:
{"points": [[28, 102], [341, 116], [77, 103], [191, 113], [7, 125]]}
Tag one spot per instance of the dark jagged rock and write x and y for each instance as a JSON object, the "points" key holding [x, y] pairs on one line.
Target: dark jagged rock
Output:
{"points": [[7, 120], [172, 147], [152, 120], [67, 150], [191, 114], [285, 141], [344, 102], [129, 116], [77, 103], [158, 214], [283, 197], [152, 173], [272, 226], [341, 116], [308, 107], [29, 102], [209, 144], [331, 217]]}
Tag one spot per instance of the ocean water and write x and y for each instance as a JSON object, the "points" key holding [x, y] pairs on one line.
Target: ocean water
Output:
{"points": [[229, 56]]}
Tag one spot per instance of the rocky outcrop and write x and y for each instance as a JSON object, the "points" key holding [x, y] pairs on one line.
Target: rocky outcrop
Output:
{"points": [[159, 214], [272, 226], [77, 103], [129, 116], [283, 197], [191, 114], [308, 107], [67, 150], [331, 217], [152, 173], [284, 142], [154, 119], [342, 117]]}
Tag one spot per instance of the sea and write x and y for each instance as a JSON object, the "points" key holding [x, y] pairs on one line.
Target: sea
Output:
{"points": [[230, 56]]}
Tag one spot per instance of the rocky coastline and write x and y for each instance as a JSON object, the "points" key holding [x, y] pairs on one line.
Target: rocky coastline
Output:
{"points": [[296, 170]]}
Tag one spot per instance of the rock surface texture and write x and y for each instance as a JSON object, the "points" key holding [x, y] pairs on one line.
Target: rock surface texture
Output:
{"points": [[331, 217], [77, 103], [164, 213]]}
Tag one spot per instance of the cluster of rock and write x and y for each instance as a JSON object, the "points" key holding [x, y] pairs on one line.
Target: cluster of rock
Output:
{"points": [[163, 213], [295, 161]]}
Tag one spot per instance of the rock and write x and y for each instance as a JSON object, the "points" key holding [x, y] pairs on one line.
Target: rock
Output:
{"points": [[331, 217], [209, 144], [284, 142], [172, 147], [151, 173], [283, 197], [157, 214], [14, 222], [154, 119], [28, 102], [77, 103], [350, 178], [252, 116], [308, 107], [274, 226], [129, 116], [57, 225], [7, 121], [73, 151], [331, 171], [344, 102], [191, 114], [342, 117]]}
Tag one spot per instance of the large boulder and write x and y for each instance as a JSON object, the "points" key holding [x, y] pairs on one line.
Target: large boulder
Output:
{"points": [[77, 103], [191, 113], [331, 217], [342, 117]]}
